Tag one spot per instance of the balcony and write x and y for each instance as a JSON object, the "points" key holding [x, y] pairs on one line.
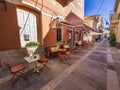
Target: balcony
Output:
{"points": [[115, 18]]}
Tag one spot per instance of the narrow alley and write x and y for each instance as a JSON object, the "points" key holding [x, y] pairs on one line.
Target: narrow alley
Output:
{"points": [[90, 73], [88, 69], [59, 45]]}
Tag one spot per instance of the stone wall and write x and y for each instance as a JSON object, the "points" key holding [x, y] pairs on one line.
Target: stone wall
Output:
{"points": [[15, 57]]}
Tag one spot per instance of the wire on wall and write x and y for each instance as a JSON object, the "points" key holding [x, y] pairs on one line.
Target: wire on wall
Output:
{"points": [[28, 17]]}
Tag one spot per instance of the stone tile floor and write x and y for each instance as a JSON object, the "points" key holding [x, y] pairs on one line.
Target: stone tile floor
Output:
{"points": [[38, 80], [91, 74]]}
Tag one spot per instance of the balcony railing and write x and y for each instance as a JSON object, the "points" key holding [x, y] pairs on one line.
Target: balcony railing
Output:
{"points": [[115, 16]]}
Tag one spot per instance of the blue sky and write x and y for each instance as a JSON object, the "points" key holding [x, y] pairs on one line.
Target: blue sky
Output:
{"points": [[100, 7]]}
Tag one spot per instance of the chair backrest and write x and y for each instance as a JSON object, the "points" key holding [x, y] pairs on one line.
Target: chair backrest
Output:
{"points": [[7, 64]]}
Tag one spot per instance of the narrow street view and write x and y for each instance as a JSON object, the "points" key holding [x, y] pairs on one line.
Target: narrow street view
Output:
{"points": [[60, 45]]}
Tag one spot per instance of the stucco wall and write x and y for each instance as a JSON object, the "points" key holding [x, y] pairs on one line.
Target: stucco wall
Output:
{"points": [[118, 33], [9, 31], [16, 56], [51, 9]]}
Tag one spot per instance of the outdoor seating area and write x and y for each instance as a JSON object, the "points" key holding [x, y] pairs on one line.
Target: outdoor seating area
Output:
{"points": [[42, 65], [42, 60], [62, 51], [52, 51], [39, 69], [17, 71]]}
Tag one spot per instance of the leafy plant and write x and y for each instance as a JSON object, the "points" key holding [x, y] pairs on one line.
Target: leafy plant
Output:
{"points": [[112, 38], [32, 43]]}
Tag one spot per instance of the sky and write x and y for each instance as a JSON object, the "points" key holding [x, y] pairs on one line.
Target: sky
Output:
{"points": [[100, 7]]}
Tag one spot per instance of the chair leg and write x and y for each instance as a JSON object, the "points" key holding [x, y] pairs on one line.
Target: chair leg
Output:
{"points": [[18, 75], [12, 77], [45, 65], [62, 58], [21, 75], [15, 81]]}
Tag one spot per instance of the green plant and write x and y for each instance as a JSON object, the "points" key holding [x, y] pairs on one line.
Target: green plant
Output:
{"points": [[32, 43], [112, 38]]}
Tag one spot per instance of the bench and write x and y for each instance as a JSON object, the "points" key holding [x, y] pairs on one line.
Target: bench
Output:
{"points": [[52, 51]]}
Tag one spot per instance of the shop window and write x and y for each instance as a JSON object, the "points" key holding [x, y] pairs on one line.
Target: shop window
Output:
{"points": [[59, 33], [59, 36]]}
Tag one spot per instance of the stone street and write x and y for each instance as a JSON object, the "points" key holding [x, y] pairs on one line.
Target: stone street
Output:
{"points": [[91, 68]]}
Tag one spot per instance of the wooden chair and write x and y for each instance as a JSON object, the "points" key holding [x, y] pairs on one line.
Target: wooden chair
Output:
{"points": [[17, 71]]}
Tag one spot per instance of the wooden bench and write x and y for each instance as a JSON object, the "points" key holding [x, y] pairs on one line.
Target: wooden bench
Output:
{"points": [[52, 51]]}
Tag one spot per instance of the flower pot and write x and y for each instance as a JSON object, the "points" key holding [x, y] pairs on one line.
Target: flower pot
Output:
{"points": [[31, 50]]}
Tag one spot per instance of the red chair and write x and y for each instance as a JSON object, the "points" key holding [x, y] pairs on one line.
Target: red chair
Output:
{"points": [[44, 62], [17, 71], [62, 56]]}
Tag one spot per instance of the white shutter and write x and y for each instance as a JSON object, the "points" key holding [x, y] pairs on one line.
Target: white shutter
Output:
{"points": [[30, 29]]}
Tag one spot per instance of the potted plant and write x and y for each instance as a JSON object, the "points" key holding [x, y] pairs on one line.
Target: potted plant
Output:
{"points": [[31, 47], [112, 39]]}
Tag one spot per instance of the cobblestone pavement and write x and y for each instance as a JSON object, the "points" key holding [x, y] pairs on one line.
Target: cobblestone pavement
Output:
{"points": [[86, 70]]}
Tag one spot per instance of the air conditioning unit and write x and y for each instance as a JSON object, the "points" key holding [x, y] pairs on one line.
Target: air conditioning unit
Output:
{"points": [[14, 1]]}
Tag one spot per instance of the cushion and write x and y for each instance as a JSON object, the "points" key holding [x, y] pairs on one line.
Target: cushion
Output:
{"points": [[54, 49], [66, 46]]}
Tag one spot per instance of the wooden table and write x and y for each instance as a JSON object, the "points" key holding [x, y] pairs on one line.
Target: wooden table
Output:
{"points": [[62, 50]]}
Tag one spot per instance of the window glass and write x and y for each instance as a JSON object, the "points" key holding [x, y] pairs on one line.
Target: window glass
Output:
{"points": [[59, 35]]}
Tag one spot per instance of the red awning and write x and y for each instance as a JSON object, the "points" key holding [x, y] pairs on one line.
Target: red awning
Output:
{"points": [[64, 2], [71, 18], [86, 27]]}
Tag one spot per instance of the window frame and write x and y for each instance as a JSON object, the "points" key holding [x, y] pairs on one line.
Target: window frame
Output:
{"points": [[38, 14], [80, 3]]}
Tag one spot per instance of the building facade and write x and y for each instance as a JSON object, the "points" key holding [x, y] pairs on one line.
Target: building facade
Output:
{"points": [[115, 22], [29, 20], [49, 22], [95, 22]]}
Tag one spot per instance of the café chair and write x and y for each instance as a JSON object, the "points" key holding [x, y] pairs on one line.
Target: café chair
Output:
{"points": [[62, 56], [17, 71], [44, 62]]}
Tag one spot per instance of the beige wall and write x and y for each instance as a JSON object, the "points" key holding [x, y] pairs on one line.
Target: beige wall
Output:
{"points": [[117, 29], [52, 9], [52, 6], [118, 10], [117, 33], [9, 33]]}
